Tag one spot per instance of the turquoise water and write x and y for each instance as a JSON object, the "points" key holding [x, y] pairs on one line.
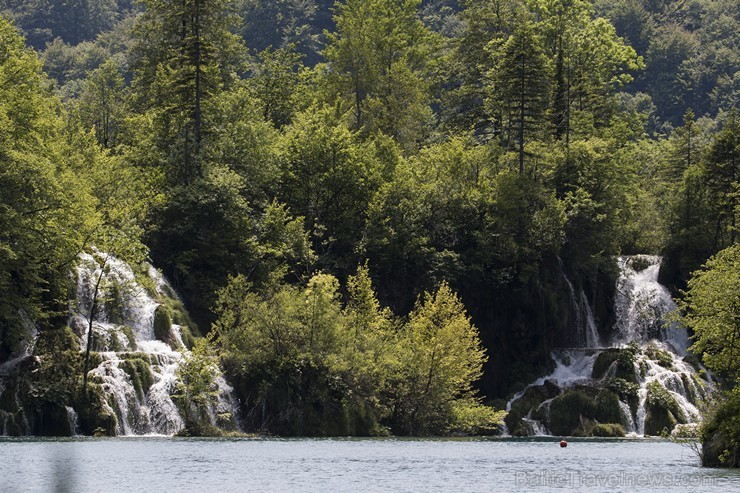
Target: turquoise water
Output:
{"points": [[155, 464]]}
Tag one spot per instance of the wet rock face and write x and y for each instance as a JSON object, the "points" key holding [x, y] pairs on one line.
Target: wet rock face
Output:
{"points": [[663, 413], [527, 404], [163, 327], [608, 430], [51, 420], [568, 411], [578, 411], [616, 363]]}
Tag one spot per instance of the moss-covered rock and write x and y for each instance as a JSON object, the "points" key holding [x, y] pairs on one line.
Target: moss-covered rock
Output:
{"points": [[55, 340], [163, 325], [627, 391], [607, 408], [577, 410], [140, 373], [638, 263], [179, 314], [694, 387], [567, 411], [659, 356], [662, 411], [607, 430], [52, 376], [130, 338], [112, 338], [623, 361], [532, 398], [94, 416]]}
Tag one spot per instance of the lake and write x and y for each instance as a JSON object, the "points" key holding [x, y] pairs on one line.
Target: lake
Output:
{"points": [[154, 464]]}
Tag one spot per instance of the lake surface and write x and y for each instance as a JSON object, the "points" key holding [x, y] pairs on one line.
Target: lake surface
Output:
{"points": [[154, 464]]}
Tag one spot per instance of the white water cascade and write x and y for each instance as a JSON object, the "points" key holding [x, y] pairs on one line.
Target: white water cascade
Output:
{"points": [[583, 333], [645, 364], [136, 367], [643, 305]]}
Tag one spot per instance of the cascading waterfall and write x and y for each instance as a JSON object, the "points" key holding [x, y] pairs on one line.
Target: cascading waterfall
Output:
{"points": [[629, 420], [644, 373], [137, 347], [72, 417], [642, 304], [125, 328]]}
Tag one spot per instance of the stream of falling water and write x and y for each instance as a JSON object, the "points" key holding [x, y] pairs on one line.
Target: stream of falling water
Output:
{"points": [[642, 307], [125, 329], [135, 369]]}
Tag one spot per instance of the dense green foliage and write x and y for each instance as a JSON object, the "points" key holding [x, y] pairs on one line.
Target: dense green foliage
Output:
{"points": [[309, 365], [712, 307], [258, 152], [712, 311]]}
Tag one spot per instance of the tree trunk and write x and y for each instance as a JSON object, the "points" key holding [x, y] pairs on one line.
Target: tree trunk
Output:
{"points": [[90, 318], [198, 117], [522, 90]]}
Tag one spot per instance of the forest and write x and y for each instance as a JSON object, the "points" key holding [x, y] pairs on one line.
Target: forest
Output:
{"points": [[368, 207]]}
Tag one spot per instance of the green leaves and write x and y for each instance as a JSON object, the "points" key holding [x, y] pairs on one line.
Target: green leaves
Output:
{"points": [[43, 225], [519, 87], [196, 387], [712, 311], [377, 58], [443, 359], [416, 378], [184, 56], [327, 176]]}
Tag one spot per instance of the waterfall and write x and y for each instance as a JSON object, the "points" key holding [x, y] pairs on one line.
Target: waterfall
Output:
{"points": [[642, 305], [72, 418], [536, 427], [137, 328], [644, 367], [678, 379], [641, 410], [572, 367], [631, 426], [644, 309], [583, 331], [138, 366]]}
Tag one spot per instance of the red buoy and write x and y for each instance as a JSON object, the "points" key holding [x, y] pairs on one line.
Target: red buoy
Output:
{"points": [[563, 443]]}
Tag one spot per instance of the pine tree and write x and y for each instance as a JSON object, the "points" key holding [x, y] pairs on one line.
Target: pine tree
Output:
{"points": [[519, 88], [185, 53], [721, 169], [487, 22]]}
